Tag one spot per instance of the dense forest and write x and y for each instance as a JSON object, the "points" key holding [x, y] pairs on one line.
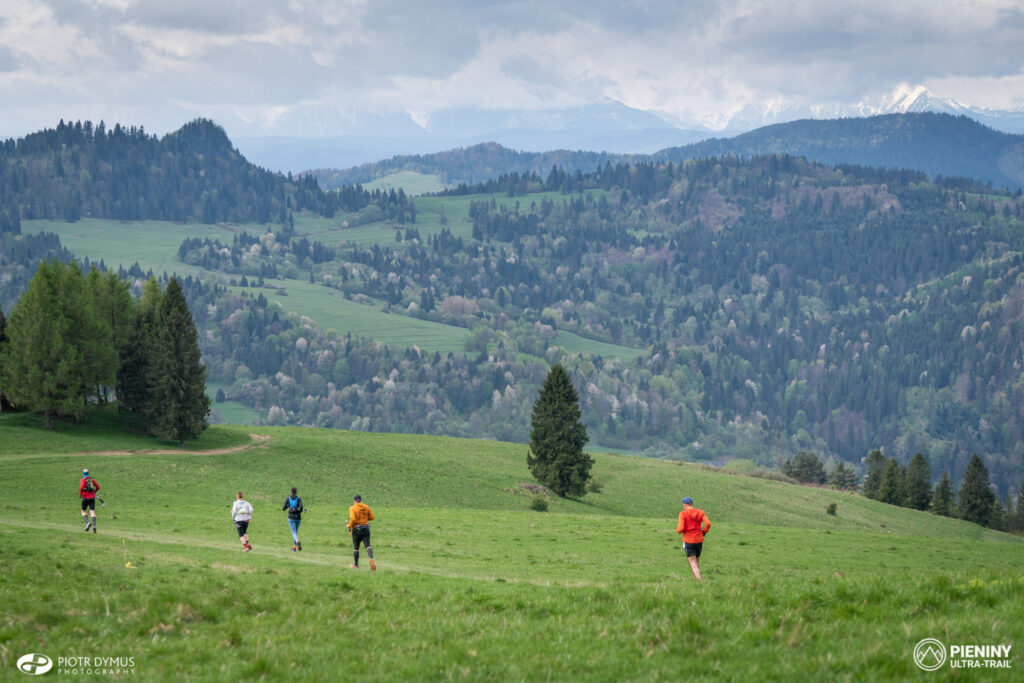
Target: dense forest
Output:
{"points": [[78, 170], [936, 144], [777, 306], [785, 306]]}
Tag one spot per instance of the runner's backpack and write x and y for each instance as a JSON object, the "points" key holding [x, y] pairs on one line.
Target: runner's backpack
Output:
{"points": [[295, 503], [89, 488]]}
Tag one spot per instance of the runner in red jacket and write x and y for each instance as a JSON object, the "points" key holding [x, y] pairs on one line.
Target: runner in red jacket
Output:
{"points": [[693, 524], [87, 489]]}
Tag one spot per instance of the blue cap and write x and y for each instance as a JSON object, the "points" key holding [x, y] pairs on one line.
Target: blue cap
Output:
{"points": [[687, 501], [358, 498], [85, 473]]}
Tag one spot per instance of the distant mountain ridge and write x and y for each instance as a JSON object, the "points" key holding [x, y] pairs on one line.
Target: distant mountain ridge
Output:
{"points": [[937, 144]]}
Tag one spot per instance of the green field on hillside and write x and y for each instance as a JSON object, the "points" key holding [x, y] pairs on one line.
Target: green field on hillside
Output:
{"points": [[472, 584], [411, 182]]}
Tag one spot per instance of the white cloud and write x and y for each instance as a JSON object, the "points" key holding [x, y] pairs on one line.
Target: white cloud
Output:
{"points": [[162, 60]]}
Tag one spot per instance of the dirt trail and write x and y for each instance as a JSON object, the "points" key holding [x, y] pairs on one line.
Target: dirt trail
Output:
{"points": [[256, 440]]}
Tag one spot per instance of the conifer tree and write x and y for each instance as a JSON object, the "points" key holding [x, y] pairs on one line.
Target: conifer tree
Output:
{"points": [[805, 468], [976, 498], [843, 477], [942, 501], [557, 437], [116, 308], [42, 366], [891, 489], [875, 464], [918, 486], [133, 375], [178, 404]]}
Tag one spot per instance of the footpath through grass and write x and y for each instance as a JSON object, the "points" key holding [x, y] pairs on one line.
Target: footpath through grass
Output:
{"points": [[471, 583]]}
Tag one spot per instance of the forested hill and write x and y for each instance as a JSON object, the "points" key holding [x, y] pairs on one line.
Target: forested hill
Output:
{"points": [[937, 144], [470, 165], [780, 306], [80, 170]]}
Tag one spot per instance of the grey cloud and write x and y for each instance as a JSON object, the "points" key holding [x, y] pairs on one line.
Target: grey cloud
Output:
{"points": [[250, 72], [528, 69], [8, 61], [208, 16]]}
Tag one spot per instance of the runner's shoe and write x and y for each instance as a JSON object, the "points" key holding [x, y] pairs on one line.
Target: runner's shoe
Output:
{"points": [[88, 524], [373, 565], [299, 543], [293, 549], [353, 566]]}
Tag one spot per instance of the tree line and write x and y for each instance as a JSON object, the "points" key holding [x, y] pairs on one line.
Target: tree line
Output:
{"points": [[77, 339], [887, 481]]}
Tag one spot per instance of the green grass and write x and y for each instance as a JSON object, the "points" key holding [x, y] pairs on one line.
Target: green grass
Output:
{"points": [[411, 182], [472, 584], [574, 343], [331, 310], [151, 244]]}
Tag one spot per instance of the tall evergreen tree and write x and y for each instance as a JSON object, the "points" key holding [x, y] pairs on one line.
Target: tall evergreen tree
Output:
{"points": [[94, 334], [116, 308], [875, 464], [942, 501], [891, 489], [133, 375], [976, 498], [918, 485], [42, 366], [178, 404], [557, 437]]}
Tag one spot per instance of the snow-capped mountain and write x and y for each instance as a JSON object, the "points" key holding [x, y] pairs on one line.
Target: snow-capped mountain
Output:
{"points": [[903, 99]]}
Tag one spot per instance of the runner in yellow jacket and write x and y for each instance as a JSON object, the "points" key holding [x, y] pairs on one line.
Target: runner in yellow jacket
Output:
{"points": [[359, 516]]}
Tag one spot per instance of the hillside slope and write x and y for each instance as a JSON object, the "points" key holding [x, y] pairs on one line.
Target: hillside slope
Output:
{"points": [[425, 472], [937, 144], [470, 583]]}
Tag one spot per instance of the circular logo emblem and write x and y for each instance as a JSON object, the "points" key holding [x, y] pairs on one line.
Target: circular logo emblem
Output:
{"points": [[34, 664], [930, 654]]}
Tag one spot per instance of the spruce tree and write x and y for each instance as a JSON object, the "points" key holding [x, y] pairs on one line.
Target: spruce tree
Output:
{"points": [[918, 487], [557, 437], [133, 375], [178, 404], [875, 464], [115, 306], [976, 498], [942, 501], [891, 489], [42, 366]]}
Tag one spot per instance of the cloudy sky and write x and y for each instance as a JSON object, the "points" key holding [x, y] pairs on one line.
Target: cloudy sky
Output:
{"points": [[251, 63]]}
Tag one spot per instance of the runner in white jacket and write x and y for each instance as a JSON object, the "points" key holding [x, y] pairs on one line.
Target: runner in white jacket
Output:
{"points": [[241, 514]]}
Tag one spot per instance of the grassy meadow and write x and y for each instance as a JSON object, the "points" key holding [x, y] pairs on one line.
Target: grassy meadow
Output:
{"points": [[154, 245], [471, 582]]}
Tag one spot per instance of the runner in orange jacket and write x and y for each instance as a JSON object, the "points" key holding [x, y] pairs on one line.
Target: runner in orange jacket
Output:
{"points": [[693, 525]]}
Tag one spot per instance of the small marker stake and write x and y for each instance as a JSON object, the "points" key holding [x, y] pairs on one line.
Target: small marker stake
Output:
{"points": [[127, 564]]}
